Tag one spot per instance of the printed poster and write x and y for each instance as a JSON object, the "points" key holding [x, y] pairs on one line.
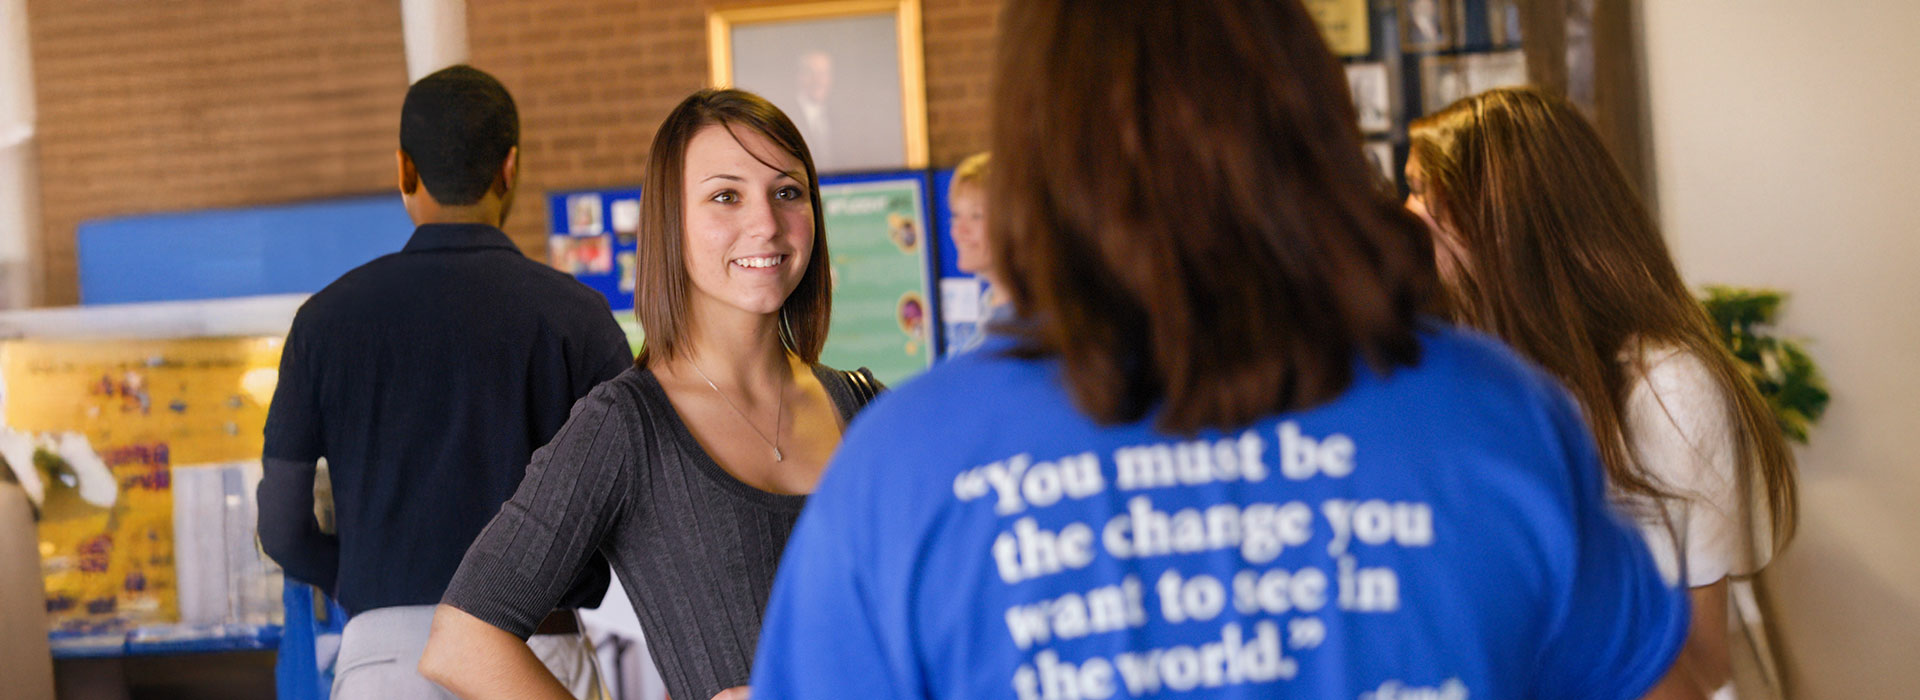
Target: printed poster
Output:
{"points": [[107, 422], [877, 235]]}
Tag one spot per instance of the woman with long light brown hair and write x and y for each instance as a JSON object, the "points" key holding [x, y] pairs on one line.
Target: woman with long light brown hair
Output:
{"points": [[1541, 241]]}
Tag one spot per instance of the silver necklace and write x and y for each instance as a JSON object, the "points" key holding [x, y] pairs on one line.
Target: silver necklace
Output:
{"points": [[779, 411]]}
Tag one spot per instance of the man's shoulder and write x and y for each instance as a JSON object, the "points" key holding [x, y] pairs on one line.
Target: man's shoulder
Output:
{"points": [[344, 287], [543, 285], [397, 280]]}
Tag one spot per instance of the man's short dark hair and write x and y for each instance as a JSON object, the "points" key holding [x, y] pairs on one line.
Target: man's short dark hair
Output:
{"points": [[457, 125]]}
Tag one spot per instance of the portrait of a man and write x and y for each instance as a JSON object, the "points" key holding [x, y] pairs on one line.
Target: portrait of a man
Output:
{"points": [[841, 78]]}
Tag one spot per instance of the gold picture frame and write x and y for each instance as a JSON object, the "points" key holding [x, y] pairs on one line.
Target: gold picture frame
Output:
{"points": [[801, 52]]}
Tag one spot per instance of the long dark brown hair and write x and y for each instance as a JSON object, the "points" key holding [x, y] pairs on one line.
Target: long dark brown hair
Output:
{"points": [[1567, 266], [661, 284], [1183, 213]]}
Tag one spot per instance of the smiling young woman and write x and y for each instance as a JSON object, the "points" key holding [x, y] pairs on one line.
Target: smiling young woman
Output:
{"points": [[687, 471]]}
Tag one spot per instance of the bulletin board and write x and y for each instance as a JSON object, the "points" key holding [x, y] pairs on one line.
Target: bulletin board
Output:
{"points": [[110, 423], [884, 314]]}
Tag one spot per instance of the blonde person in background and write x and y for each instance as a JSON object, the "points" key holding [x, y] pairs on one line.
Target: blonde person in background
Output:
{"points": [[1542, 242], [967, 200]]}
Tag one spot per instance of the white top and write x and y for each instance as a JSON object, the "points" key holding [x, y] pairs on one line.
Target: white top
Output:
{"points": [[1678, 429]]}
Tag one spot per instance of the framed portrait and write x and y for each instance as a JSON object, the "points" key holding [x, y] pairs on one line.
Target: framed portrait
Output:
{"points": [[1430, 25], [849, 73], [1372, 96]]}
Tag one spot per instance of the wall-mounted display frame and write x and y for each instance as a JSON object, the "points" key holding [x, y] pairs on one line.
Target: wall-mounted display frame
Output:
{"points": [[850, 73], [1503, 22], [1344, 24], [1372, 88], [1446, 78], [1443, 79], [1431, 25], [1380, 156]]}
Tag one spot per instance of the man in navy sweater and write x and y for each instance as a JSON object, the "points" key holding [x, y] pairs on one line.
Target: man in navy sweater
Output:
{"points": [[426, 379]]}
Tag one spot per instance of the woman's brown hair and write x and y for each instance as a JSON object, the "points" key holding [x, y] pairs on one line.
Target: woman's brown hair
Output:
{"points": [[1566, 264], [1184, 215], [661, 284]]}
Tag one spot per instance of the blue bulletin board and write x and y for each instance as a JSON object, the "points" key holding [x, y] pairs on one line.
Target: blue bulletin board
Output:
{"points": [[591, 236]]}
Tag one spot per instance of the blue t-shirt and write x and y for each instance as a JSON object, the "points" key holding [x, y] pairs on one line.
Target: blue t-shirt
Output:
{"points": [[1438, 532]]}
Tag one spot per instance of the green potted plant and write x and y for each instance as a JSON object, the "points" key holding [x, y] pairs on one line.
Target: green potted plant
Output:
{"points": [[1780, 367]]}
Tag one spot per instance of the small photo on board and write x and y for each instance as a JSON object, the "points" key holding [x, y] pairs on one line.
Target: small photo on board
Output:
{"points": [[1429, 25], [912, 314], [625, 214], [580, 255], [624, 262], [1380, 155], [583, 215], [1443, 81], [1372, 96], [903, 232]]}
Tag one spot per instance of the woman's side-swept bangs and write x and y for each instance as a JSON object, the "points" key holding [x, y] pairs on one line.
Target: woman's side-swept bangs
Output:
{"points": [[661, 284]]}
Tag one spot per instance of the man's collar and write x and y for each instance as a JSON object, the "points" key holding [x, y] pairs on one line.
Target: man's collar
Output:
{"points": [[457, 236]]}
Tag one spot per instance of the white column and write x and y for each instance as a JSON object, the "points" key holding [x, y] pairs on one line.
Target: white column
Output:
{"points": [[19, 175], [436, 35]]}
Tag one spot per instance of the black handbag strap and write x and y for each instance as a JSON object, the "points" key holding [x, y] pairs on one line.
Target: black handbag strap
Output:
{"points": [[863, 388]]}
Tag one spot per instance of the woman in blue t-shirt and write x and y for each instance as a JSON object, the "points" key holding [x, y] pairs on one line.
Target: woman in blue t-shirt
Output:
{"points": [[1220, 453]]}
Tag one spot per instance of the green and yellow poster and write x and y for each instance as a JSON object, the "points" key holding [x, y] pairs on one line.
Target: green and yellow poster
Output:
{"points": [[877, 237]]}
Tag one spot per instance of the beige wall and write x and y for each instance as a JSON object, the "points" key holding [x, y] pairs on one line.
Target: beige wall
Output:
{"points": [[1786, 155]]}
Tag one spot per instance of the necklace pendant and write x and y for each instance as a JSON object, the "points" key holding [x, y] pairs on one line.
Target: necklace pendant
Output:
{"points": [[776, 455]]}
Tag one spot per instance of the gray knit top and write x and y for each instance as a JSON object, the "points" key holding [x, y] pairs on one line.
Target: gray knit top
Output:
{"points": [[695, 547]]}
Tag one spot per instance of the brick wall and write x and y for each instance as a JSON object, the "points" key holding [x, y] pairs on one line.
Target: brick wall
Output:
{"points": [[593, 78], [959, 44], [190, 104]]}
